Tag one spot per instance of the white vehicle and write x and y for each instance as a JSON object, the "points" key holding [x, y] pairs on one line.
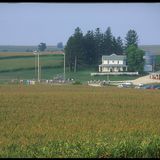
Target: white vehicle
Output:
{"points": [[140, 84], [125, 85]]}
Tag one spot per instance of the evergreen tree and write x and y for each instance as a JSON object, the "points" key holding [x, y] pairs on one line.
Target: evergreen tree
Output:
{"points": [[108, 42], [78, 48], [89, 48], [131, 38], [114, 45], [120, 47], [69, 52], [98, 37], [74, 50]]}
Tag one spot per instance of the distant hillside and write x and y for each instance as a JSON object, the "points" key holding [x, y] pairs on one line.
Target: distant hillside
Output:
{"points": [[154, 49], [10, 48]]}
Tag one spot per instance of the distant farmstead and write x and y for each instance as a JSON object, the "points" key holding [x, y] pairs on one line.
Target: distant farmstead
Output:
{"points": [[113, 63]]}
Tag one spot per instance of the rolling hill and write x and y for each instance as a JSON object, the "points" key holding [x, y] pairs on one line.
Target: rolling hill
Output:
{"points": [[154, 49], [13, 48]]}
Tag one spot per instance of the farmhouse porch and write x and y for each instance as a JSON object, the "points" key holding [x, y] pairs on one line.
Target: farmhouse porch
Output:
{"points": [[112, 68]]}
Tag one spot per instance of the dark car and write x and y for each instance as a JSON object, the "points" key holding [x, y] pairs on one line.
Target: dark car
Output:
{"points": [[147, 87], [151, 86], [157, 87]]}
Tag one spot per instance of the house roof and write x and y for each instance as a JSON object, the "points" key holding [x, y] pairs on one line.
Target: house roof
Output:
{"points": [[114, 57]]}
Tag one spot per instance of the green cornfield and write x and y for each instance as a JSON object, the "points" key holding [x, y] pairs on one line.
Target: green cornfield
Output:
{"points": [[62, 121]]}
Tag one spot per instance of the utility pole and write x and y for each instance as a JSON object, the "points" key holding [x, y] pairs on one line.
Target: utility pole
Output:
{"points": [[37, 53], [38, 67], [35, 66], [64, 67]]}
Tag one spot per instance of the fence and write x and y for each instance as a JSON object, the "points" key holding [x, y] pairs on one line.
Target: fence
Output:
{"points": [[114, 73]]}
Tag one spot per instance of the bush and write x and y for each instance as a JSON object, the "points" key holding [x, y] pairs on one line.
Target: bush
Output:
{"points": [[76, 83]]}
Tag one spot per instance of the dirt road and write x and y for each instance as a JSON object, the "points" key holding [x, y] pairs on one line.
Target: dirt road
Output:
{"points": [[144, 80]]}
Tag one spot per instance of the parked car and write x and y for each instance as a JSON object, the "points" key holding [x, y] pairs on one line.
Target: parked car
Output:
{"points": [[147, 87], [124, 85], [151, 86], [139, 86], [157, 86]]}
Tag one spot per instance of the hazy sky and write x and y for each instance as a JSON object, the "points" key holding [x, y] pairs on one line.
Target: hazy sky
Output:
{"points": [[32, 23]]}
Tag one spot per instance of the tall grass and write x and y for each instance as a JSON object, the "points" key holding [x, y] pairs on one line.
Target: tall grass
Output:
{"points": [[78, 121]]}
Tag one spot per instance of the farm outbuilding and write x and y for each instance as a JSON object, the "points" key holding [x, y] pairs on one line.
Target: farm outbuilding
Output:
{"points": [[149, 62], [155, 75]]}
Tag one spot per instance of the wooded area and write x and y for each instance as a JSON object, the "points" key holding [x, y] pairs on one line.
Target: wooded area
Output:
{"points": [[87, 49]]}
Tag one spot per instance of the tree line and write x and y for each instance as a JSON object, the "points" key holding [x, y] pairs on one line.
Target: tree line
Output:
{"points": [[87, 49]]}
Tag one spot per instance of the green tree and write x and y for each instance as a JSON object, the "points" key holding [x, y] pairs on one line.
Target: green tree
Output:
{"points": [[42, 46], [98, 37], [120, 47], [78, 48], [131, 38], [108, 41], [74, 50], [139, 60], [135, 59], [89, 48], [69, 52], [117, 45], [60, 45]]}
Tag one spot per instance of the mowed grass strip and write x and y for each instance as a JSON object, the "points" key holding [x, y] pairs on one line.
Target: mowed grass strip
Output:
{"points": [[78, 121]]}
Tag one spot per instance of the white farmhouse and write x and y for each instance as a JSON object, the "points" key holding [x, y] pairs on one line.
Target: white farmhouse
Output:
{"points": [[113, 63]]}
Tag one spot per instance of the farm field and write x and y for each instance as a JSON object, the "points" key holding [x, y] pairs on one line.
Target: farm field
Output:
{"points": [[78, 121], [22, 66]]}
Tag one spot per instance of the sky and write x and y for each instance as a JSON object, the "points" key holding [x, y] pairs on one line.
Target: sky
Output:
{"points": [[33, 23]]}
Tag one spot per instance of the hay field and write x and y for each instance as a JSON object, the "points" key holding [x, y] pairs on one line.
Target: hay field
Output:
{"points": [[78, 121]]}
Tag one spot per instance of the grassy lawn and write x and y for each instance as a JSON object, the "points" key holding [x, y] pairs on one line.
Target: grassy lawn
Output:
{"points": [[85, 75]]}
